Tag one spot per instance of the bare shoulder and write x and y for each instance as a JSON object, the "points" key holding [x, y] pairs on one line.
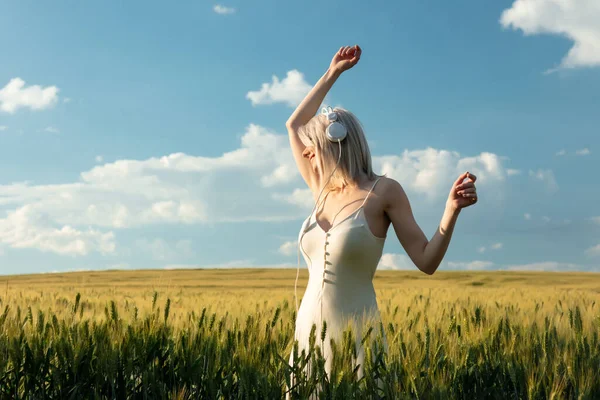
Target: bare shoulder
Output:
{"points": [[392, 193]]}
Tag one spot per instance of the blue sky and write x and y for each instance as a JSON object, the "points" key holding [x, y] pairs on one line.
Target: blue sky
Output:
{"points": [[151, 135]]}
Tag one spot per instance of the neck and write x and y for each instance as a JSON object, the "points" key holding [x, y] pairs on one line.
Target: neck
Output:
{"points": [[351, 185]]}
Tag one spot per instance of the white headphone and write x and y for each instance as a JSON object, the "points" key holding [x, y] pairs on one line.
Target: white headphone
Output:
{"points": [[336, 133]]}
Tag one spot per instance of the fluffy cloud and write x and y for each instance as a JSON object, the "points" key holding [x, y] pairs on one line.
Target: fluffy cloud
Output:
{"points": [[228, 265], [431, 172], [177, 188], [3, 128], [575, 19], [256, 182], [427, 174], [288, 248], [219, 9], [544, 266], [15, 95], [291, 90], [396, 262], [25, 227], [302, 198], [536, 266], [471, 265]]}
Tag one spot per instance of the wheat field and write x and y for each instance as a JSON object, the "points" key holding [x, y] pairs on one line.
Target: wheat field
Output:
{"points": [[229, 333]]}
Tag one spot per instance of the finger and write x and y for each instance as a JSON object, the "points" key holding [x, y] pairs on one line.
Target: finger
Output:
{"points": [[460, 178], [347, 51], [469, 190], [341, 50], [470, 195], [465, 185], [356, 55], [471, 176]]}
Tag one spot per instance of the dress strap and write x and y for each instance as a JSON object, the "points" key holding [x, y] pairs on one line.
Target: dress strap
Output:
{"points": [[367, 196]]}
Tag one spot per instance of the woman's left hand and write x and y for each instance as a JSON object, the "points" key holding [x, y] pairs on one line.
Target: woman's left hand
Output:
{"points": [[463, 194]]}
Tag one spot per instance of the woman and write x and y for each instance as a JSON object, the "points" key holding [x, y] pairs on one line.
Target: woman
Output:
{"points": [[342, 240]]}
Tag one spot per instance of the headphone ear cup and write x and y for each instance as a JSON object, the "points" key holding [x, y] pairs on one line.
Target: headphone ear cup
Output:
{"points": [[336, 132]]}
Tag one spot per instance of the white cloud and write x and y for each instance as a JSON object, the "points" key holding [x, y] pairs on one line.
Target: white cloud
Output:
{"points": [[576, 20], [3, 128], [237, 186], [177, 188], [583, 152], [596, 220], [593, 251], [302, 198], [536, 266], [99, 159], [543, 266], [396, 262], [117, 266], [51, 129], [561, 152], [511, 172], [291, 90], [66, 271], [470, 265], [284, 173], [67, 100], [527, 216], [546, 176], [481, 249], [229, 265], [26, 228], [219, 9], [288, 248], [546, 219], [15, 95], [431, 172]]}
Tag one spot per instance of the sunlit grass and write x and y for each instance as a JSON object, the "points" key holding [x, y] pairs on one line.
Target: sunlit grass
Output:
{"points": [[228, 333]]}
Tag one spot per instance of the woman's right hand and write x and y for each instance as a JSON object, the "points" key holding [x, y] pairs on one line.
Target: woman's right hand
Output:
{"points": [[346, 58]]}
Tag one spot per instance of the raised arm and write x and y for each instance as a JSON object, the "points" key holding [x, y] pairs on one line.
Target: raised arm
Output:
{"points": [[344, 59], [427, 254]]}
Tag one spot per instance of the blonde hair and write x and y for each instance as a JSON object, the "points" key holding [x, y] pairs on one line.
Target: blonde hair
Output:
{"points": [[356, 156]]}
